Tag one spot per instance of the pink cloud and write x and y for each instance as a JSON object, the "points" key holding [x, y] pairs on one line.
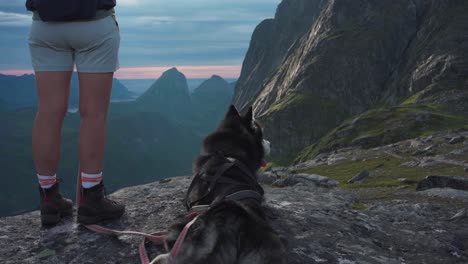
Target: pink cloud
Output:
{"points": [[153, 72], [226, 71], [16, 72]]}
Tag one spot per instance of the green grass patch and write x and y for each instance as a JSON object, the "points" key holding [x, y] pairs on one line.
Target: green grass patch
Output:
{"points": [[290, 99], [359, 206], [385, 175], [282, 160]]}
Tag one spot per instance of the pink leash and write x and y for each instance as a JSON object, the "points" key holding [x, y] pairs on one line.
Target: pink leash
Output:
{"points": [[156, 238]]}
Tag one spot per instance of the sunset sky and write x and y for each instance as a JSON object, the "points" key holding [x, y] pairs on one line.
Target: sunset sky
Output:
{"points": [[199, 37]]}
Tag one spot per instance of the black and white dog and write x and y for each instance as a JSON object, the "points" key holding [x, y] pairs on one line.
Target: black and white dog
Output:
{"points": [[232, 227]]}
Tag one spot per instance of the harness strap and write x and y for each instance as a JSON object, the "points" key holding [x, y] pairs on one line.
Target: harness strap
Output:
{"points": [[242, 167], [245, 194], [157, 238], [180, 240], [218, 174]]}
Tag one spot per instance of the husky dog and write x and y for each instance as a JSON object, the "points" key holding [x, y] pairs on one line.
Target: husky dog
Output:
{"points": [[233, 228]]}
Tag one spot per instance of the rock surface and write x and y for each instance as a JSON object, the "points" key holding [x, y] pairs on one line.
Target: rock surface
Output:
{"points": [[453, 182], [359, 177], [317, 222]]}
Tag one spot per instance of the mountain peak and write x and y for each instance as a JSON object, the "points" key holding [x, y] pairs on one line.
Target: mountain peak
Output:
{"points": [[216, 77], [173, 72], [169, 95], [213, 84]]}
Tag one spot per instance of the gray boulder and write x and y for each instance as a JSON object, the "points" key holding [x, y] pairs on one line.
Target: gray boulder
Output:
{"points": [[454, 182], [456, 140], [425, 151], [359, 177]]}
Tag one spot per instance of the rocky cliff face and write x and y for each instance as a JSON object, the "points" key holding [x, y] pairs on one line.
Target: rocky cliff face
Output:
{"points": [[271, 42], [350, 57], [318, 223]]}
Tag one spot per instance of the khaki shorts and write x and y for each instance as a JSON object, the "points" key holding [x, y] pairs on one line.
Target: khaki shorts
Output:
{"points": [[92, 46]]}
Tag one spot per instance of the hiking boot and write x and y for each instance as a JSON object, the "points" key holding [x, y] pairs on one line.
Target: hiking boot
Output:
{"points": [[95, 206], [53, 205]]}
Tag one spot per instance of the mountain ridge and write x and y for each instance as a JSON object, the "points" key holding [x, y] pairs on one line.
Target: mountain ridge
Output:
{"points": [[345, 64]]}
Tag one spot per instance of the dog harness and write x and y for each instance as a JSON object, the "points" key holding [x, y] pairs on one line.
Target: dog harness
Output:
{"points": [[248, 179], [195, 211]]}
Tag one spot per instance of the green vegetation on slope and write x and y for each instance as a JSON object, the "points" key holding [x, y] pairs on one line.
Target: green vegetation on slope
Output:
{"points": [[384, 172], [379, 127], [308, 113]]}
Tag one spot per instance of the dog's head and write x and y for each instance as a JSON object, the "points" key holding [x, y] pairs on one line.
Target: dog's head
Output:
{"points": [[239, 136]]}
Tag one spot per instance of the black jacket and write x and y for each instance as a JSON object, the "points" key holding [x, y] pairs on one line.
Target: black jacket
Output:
{"points": [[102, 4], [68, 10]]}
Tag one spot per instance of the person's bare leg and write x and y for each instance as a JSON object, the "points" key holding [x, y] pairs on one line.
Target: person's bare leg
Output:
{"points": [[53, 89], [95, 92]]}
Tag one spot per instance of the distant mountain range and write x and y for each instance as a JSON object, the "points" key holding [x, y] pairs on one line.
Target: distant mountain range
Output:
{"points": [[18, 92], [139, 86], [154, 137]]}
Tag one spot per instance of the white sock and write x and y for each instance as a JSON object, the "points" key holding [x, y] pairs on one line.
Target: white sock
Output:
{"points": [[90, 180], [47, 181]]}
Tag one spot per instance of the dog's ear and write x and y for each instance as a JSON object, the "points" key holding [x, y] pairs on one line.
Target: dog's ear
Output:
{"points": [[232, 111], [248, 117]]}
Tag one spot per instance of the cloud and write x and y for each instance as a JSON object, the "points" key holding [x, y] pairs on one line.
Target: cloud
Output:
{"points": [[129, 2], [14, 19], [156, 33]]}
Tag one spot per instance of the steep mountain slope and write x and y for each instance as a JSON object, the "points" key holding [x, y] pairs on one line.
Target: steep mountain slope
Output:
{"points": [[271, 42], [357, 55]]}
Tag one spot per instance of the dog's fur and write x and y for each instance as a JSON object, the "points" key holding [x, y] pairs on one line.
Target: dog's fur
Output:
{"points": [[230, 232]]}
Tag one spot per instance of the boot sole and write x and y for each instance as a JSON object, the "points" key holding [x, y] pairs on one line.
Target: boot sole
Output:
{"points": [[65, 213], [53, 219], [89, 220], [50, 219]]}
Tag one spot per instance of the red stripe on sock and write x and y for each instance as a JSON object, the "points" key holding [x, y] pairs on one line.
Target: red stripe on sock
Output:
{"points": [[47, 182], [86, 179]]}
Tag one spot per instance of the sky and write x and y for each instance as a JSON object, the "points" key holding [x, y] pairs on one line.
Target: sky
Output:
{"points": [[199, 37]]}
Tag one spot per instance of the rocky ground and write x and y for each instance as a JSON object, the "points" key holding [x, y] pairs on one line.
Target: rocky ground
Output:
{"points": [[348, 206], [323, 219]]}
